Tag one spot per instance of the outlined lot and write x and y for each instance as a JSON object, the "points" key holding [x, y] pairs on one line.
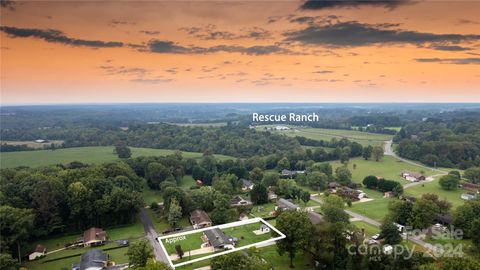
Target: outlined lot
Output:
{"points": [[254, 239]]}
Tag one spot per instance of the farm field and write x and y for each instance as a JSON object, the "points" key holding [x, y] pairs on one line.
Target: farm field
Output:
{"points": [[94, 154], [33, 144], [388, 168], [364, 138], [452, 196], [131, 232]]}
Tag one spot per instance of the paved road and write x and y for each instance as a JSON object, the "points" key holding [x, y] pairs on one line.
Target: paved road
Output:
{"points": [[388, 150], [151, 235]]}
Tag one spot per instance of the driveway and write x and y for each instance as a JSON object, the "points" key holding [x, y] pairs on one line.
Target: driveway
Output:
{"points": [[152, 235]]}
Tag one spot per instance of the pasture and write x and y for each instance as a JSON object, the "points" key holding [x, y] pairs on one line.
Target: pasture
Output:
{"points": [[90, 155], [364, 138], [388, 168]]}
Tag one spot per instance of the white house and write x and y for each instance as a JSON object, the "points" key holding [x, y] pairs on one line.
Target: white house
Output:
{"points": [[37, 252]]}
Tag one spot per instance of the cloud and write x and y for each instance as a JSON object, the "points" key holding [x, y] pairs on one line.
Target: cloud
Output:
{"points": [[151, 81], [453, 48], [465, 21], [169, 47], [210, 32], [354, 34], [456, 61], [327, 4], [122, 70], [151, 33], [323, 71], [56, 36]]}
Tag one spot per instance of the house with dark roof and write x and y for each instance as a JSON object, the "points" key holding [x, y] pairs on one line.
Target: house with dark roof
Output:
{"points": [[37, 252], [471, 187], [239, 201], [94, 237], [200, 219], [283, 205], [246, 184], [315, 218], [92, 260], [443, 219], [217, 239]]}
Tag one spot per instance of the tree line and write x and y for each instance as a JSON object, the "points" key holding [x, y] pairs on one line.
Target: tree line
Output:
{"points": [[441, 142]]}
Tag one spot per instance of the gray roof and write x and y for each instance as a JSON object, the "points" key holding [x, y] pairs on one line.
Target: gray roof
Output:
{"points": [[246, 183], [93, 258], [314, 217], [286, 204], [217, 238]]}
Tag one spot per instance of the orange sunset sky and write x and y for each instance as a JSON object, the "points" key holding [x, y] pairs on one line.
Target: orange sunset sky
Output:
{"points": [[235, 51]]}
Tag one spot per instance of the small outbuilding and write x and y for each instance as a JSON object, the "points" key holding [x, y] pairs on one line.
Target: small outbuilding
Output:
{"points": [[37, 252]]}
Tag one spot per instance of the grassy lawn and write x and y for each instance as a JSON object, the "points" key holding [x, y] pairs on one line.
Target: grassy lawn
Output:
{"points": [[186, 182], [376, 209], [301, 261], [388, 168], [161, 224], [364, 138], [95, 154], [150, 195], [452, 196], [246, 235], [369, 229], [190, 242], [263, 210]]}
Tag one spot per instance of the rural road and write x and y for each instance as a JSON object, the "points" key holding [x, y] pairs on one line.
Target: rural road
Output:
{"points": [[151, 235], [388, 150]]}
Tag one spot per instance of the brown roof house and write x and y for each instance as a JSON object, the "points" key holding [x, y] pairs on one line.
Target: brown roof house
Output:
{"points": [[412, 176], [94, 237], [200, 219], [38, 252]]}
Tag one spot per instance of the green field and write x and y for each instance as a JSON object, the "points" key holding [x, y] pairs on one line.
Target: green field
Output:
{"points": [[452, 196], [388, 168], [370, 230], [94, 154], [364, 138], [376, 209]]}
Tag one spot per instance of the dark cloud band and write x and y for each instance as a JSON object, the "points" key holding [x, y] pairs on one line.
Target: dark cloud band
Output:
{"points": [[352, 34], [55, 36], [326, 4]]}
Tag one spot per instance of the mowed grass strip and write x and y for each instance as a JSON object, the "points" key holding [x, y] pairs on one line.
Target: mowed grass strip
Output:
{"points": [[90, 155]]}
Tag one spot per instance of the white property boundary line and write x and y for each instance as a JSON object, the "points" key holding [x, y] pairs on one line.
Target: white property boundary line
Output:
{"points": [[223, 226]]}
